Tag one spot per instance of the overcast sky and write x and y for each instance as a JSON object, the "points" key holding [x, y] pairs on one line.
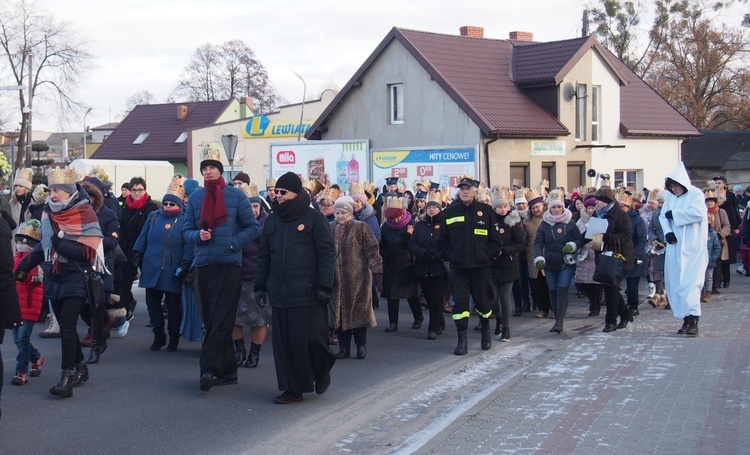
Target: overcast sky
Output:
{"points": [[145, 44]]}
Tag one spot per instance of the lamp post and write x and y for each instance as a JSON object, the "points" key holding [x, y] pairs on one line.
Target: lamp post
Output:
{"points": [[302, 111], [84, 132], [229, 141]]}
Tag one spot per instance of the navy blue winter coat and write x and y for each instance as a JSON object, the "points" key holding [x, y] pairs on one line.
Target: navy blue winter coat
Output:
{"points": [[640, 234], [163, 249]]}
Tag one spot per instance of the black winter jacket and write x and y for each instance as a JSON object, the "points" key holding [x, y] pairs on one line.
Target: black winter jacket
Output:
{"points": [[468, 239], [422, 245], [513, 237]]}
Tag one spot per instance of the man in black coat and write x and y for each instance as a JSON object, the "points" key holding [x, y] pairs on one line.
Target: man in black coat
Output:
{"points": [[10, 311], [469, 241]]}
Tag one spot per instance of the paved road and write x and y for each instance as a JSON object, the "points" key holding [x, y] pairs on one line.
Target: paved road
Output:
{"points": [[639, 390]]}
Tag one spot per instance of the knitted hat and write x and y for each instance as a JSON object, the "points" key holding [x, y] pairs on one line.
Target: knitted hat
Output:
{"points": [[190, 186], [345, 203], [242, 177], [662, 196], [290, 181], [520, 197], [737, 188], [590, 202]]}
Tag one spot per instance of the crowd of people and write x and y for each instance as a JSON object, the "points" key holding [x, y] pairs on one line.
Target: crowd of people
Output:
{"points": [[312, 263]]}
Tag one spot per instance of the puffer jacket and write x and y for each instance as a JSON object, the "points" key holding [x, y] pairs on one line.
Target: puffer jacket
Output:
{"points": [[30, 292], [163, 249], [227, 240], [551, 238], [513, 236]]}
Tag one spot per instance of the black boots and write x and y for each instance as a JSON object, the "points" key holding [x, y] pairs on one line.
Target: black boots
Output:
{"points": [[160, 339], [240, 354], [64, 386], [173, 342], [462, 347], [486, 338], [498, 326], [689, 326], [80, 374], [253, 356], [562, 308], [97, 348]]}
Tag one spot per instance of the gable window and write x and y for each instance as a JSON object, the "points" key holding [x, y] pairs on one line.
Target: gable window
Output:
{"points": [[625, 178], [139, 140], [396, 104], [182, 138], [581, 95], [596, 113]]}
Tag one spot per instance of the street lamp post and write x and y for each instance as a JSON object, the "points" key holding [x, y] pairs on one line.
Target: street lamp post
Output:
{"points": [[84, 132], [302, 111], [229, 141]]}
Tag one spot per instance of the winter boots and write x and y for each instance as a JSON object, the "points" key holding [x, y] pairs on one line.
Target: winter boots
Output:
{"points": [[689, 326], [562, 308], [240, 353], [705, 296], [160, 339], [80, 374], [53, 328], [486, 338], [253, 356], [173, 342], [462, 347], [64, 386]]}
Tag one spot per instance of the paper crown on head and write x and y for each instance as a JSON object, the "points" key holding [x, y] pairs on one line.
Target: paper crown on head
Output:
{"points": [[424, 183], [394, 202], [270, 183], [210, 152], [40, 193], [435, 197], [356, 188], [24, 177], [313, 185], [533, 197], [61, 176], [31, 229], [501, 192], [251, 190], [623, 198], [369, 187], [637, 197], [710, 194], [520, 196], [176, 186], [330, 193], [653, 195], [517, 182], [542, 188], [99, 173], [556, 195]]}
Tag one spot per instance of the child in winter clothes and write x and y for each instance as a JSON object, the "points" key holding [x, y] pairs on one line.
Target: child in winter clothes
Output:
{"points": [[30, 300], [714, 253]]}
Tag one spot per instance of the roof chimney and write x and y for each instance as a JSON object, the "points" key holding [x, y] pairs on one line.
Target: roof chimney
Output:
{"points": [[474, 32], [181, 112], [521, 36]]}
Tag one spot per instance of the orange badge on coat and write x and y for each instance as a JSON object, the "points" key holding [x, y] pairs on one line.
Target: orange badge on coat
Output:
{"points": [[502, 230], [559, 230], [301, 227], [479, 213], [437, 226], [167, 226]]}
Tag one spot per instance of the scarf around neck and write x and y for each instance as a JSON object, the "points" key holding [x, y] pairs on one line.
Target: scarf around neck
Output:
{"points": [[136, 205], [293, 208], [214, 210], [400, 223], [552, 220], [603, 212]]}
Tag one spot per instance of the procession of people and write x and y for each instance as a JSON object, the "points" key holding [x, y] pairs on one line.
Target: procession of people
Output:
{"points": [[309, 266]]}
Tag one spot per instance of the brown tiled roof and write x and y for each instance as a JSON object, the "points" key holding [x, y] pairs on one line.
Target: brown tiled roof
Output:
{"points": [[161, 121], [487, 77]]}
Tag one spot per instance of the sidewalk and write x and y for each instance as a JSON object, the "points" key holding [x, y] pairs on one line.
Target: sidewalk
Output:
{"points": [[643, 389]]}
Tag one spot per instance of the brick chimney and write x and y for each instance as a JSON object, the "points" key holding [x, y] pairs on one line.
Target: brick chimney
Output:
{"points": [[521, 36], [181, 112], [474, 32]]}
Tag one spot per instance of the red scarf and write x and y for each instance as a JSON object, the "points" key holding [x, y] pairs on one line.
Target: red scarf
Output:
{"points": [[714, 210], [136, 205], [214, 210]]}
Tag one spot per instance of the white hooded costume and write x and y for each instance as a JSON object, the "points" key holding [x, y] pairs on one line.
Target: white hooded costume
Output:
{"points": [[685, 261]]}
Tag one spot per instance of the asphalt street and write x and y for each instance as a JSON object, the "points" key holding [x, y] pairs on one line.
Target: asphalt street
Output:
{"points": [[643, 389]]}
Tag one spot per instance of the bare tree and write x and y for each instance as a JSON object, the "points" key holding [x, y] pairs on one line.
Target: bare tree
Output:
{"points": [[37, 46], [136, 99], [225, 71]]}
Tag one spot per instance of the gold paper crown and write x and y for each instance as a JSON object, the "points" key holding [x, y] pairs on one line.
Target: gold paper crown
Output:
{"points": [[176, 187], [313, 185], [26, 174], [270, 183], [99, 173], [517, 182], [369, 187], [330, 193], [637, 196], [357, 188], [532, 194], [623, 198], [61, 176], [40, 193], [210, 152], [251, 190], [542, 188], [520, 194], [435, 197], [556, 195], [502, 192], [652, 195], [421, 182], [709, 194], [31, 229], [393, 202]]}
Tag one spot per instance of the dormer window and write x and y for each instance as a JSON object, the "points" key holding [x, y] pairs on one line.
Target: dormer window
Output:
{"points": [[140, 139], [182, 138]]}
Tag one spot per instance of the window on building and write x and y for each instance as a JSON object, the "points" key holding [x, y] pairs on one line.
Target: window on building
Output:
{"points": [[581, 96], [596, 113], [548, 173], [396, 103], [519, 171], [182, 138], [139, 140], [625, 178]]}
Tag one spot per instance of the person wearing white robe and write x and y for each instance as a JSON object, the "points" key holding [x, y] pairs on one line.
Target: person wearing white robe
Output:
{"points": [[685, 223]]}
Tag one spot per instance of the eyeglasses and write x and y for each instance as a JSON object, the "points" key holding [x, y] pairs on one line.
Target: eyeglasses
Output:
{"points": [[325, 206], [139, 190], [169, 204], [282, 192]]}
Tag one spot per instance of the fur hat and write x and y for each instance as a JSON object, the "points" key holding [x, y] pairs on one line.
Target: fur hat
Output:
{"points": [[605, 194], [344, 203], [290, 181]]}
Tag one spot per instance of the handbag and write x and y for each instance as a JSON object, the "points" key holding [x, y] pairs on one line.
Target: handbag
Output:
{"points": [[94, 289], [570, 258], [610, 267]]}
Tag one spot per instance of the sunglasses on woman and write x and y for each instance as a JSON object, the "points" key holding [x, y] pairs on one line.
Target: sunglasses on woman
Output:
{"points": [[169, 204]]}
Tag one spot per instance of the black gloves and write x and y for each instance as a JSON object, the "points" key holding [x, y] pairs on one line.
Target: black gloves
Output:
{"points": [[183, 270], [261, 298], [135, 261], [670, 237], [323, 297], [668, 214]]}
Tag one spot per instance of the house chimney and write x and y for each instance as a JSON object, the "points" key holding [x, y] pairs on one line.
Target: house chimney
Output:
{"points": [[521, 36], [181, 112], [474, 32], [246, 107]]}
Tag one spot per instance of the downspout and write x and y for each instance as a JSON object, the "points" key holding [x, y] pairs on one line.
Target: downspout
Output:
{"points": [[487, 158]]}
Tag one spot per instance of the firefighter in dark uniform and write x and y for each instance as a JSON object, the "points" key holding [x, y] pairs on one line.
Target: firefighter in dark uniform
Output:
{"points": [[469, 242]]}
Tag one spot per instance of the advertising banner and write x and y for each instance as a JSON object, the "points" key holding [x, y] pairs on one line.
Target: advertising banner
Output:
{"points": [[340, 162], [441, 165]]}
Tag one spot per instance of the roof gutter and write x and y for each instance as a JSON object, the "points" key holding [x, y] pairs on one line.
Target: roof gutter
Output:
{"points": [[487, 158]]}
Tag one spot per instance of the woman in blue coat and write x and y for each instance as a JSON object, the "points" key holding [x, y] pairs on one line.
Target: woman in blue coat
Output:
{"points": [[166, 259]]}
